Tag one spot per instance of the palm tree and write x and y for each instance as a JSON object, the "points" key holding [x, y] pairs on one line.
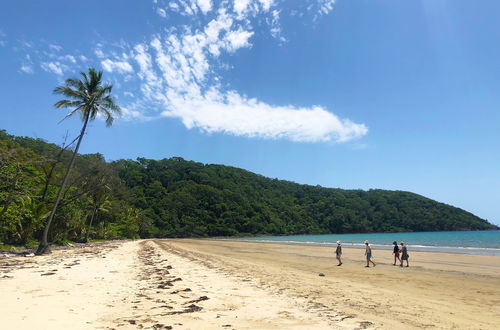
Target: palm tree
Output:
{"points": [[89, 98]]}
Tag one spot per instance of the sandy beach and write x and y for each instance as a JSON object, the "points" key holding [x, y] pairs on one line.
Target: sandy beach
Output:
{"points": [[210, 284]]}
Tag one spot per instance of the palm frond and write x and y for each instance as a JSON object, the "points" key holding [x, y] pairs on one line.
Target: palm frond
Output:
{"points": [[109, 103], [76, 83], [66, 91], [76, 110], [67, 103], [89, 97], [109, 117]]}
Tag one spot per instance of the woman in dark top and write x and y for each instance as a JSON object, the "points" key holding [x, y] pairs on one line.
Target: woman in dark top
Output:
{"points": [[395, 251], [404, 254]]}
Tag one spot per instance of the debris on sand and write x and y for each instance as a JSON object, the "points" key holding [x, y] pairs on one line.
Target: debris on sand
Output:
{"points": [[203, 298]]}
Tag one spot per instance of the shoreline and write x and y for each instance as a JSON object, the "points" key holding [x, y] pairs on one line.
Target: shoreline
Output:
{"points": [[417, 248]]}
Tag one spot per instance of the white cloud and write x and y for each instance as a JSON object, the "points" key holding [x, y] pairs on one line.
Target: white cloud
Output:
{"points": [[173, 6], [54, 67], [240, 6], [26, 68], [234, 114], [2, 36], [69, 58], [161, 12], [325, 6], [237, 39], [128, 114], [99, 53], [266, 4], [27, 65], [205, 5], [190, 7], [55, 48], [275, 25], [116, 66]]}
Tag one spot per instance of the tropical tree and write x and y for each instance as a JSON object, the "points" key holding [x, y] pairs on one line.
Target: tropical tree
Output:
{"points": [[100, 203], [88, 97]]}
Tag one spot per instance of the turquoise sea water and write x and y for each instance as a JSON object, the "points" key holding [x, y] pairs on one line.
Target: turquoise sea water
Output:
{"points": [[470, 242]]}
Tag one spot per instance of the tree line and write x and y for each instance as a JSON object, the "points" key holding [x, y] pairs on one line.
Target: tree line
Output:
{"points": [[178, 198]]}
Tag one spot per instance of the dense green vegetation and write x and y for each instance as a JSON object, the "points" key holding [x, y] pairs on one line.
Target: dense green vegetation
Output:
{"points": [[178, 198]]}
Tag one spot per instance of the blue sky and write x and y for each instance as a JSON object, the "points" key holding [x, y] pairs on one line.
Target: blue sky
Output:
{"points": [[400, 95]]}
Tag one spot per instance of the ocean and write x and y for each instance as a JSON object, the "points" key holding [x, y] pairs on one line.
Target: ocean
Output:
{"points": [[469, 242]]}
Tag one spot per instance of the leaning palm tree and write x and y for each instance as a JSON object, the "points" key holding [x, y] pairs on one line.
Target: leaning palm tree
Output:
{"points": [[88, 97]]}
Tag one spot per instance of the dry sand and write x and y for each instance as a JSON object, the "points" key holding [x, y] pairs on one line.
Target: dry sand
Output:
{"points": [[208, 284]]}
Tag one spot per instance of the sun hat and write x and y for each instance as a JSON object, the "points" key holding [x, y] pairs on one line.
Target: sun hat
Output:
{"points": [[366, 242], [395, 242], [338, 242]]}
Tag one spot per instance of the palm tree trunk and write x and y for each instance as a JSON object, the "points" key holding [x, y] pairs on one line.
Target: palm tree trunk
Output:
{"points": [[44, 245], [90, 223]]}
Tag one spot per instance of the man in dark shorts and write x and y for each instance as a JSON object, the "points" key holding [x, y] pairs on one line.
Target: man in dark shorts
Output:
{"points": [[368, 254], [338, 253]]}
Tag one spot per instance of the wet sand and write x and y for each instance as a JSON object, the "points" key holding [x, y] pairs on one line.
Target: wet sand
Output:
{"points": [[209, 284]]}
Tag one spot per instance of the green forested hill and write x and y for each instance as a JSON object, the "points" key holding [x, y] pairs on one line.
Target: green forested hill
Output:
{"points": [[178, 198], [184, 198]]}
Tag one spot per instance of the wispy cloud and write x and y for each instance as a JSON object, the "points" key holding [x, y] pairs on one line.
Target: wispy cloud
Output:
{"points": [[2, 38], [27, 65], [48, 56], [177, 73], [55, 47], [161, 12], [205, 5], [54, 67], [26, 68], [266, 4], [234, 114], [325, 6], [116, 66]]}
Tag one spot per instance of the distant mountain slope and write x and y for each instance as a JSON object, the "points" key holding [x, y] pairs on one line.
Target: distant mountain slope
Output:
{"points": [[185, 198]]}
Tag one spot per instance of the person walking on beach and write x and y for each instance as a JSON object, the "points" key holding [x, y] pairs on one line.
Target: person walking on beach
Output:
{"points": [[368, 254], [338, 253], [395, 251], [404, 254]]}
